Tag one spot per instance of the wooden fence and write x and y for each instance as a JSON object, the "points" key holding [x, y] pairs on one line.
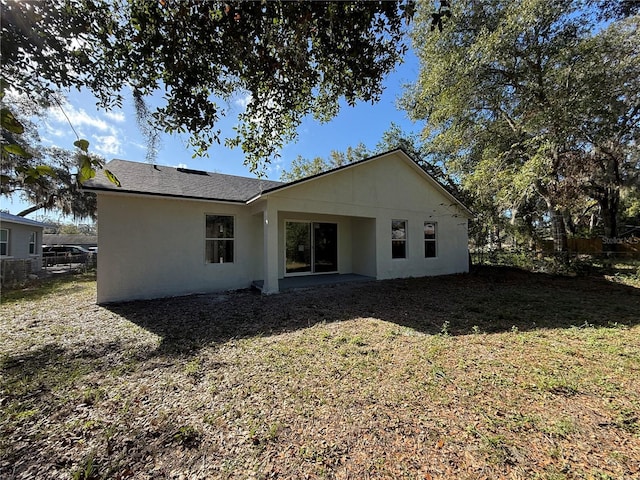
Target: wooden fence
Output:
{"points": [[626, 246]]}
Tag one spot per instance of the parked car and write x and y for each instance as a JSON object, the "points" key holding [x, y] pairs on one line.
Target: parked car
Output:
{"points": [[57, 254]]}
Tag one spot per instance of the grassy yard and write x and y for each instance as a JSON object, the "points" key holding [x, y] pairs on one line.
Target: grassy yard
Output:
{"points": [[498, 374]]}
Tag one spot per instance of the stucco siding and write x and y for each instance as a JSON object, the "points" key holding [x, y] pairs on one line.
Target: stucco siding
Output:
{"points": [[363, 246], [256, 255], [385, 189], [388, 183], [19, 236], [452, 248], [154, 247]]}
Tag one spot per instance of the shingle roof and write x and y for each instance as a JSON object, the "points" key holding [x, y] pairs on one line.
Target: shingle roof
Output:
{"points": [[7, 217], [144, 178], [69, 239]]}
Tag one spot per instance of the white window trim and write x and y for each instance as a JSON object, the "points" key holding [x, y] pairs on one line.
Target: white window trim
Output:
{"points": [[206, 239], [433, 240], [7, 242], [405, 240], [33, 234]]}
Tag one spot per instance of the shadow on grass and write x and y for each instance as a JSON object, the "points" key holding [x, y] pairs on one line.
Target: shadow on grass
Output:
{"points": [[38, 372], [493, 299], [48, 385]]}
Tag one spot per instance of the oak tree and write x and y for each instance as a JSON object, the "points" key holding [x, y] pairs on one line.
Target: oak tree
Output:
{"points": [[46, 177], [292, 59], [520, 96]]}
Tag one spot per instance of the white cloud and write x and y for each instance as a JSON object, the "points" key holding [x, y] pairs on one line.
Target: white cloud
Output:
{"points": [[78, 118], [141, 146], [53, 131], [182, 165], [99, 127], [115, 116], [107, 144], [243, 101], [275, 168]]}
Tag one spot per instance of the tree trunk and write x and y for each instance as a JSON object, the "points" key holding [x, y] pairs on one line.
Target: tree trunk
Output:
{"points": [[608, 195], [496, 237], [29, 210], [569, 223], [558, 228], [558, 232], [48, 203], [609, 204]]}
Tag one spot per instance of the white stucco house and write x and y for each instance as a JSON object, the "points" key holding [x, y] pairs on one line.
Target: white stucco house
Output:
{"points": [[170, 231]]}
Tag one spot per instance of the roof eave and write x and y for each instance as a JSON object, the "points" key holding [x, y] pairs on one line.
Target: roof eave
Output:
{"points": [[24, 221], [111, 191]]}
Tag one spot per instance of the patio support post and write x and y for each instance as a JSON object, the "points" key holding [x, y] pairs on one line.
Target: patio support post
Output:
{"points": [[270, 218]]}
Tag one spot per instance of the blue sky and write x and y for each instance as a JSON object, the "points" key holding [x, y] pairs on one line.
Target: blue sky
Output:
{"points": [[115, 134]]}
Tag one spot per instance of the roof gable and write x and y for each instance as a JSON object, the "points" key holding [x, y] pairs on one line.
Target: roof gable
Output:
{"points": [[397, 153], [144, 178]]}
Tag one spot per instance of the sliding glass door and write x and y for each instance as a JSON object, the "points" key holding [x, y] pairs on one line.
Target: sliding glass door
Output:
{"points": [[298, 239], [311, 247], [325, 247]]}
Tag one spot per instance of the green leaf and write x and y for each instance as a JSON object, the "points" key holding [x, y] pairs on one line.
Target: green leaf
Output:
{"points": [[112, 178], [30, 180], [85, 161], [45, 170], [16, 149], [82, 144], [86, 170], [86, 174], [9, 122]]}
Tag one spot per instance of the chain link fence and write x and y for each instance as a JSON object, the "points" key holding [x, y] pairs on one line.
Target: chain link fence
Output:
{"points": [[15, 272]]}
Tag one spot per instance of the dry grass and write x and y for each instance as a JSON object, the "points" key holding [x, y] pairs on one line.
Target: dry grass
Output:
{"points": [[501, 374]]}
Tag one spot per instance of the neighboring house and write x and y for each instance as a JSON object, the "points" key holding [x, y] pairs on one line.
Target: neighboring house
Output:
{"points": [[20, 247], [171, 231], [78, 239]]}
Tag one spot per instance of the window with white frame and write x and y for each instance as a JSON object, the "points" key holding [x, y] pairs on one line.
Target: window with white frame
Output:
{"points": [[398, 239], [430, 239], [32, 243], [219, 239], [4, 241]]}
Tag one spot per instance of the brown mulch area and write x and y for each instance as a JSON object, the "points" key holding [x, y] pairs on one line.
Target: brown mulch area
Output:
{"points": [[498, 374]]}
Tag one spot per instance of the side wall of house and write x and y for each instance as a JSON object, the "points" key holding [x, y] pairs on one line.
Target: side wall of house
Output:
{"points": [[19, 236], [363, 246], [155, 247]]}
